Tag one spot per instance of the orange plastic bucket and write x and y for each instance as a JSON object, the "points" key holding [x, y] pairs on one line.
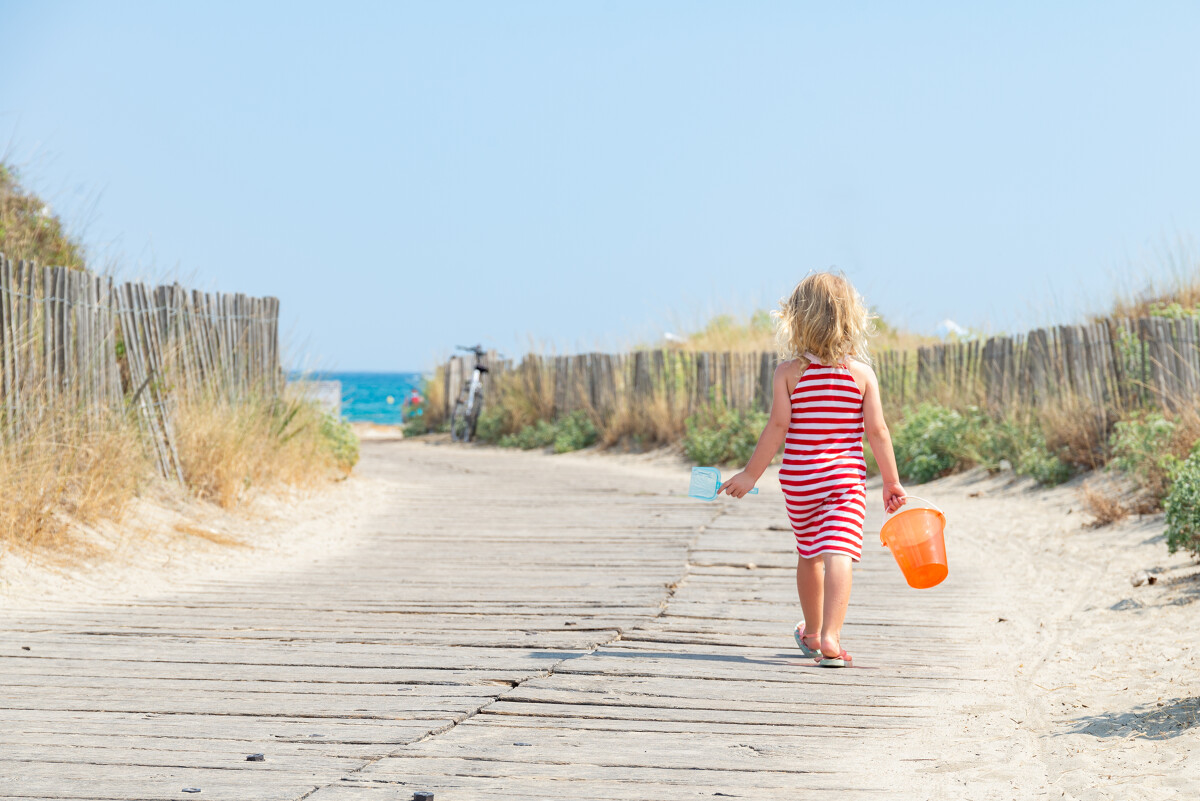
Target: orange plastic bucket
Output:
{"points": [[916, 537]]}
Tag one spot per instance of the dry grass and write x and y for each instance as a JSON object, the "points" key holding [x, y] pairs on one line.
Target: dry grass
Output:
{"points": [[1077, 431], [230, 452], [1171, 287], [71, 468], [756, 333], [434, 390], [654, 421], [215, 537], [1103, 503], [524, 394], [78, 468], [1187, 430]]}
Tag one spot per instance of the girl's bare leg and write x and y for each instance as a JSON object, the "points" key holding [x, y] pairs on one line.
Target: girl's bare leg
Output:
{"points": [[810, 580], [837, 582]]}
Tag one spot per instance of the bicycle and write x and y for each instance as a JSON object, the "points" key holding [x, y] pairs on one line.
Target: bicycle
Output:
{"points": [[465, 416]]}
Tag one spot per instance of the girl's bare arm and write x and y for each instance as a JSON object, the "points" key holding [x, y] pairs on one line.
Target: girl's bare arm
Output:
{"points": [[771, 438]]}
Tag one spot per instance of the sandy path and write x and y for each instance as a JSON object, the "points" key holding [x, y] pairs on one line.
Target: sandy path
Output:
{"points": [[490, 624]]}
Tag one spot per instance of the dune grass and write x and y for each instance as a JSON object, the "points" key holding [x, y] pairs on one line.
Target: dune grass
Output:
{"points": [[231, 452], [1170, 288], [756, 332], [70, 468], [82, 467]]}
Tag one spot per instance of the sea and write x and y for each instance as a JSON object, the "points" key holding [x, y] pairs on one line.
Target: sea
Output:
{"points": [[374, 397]]}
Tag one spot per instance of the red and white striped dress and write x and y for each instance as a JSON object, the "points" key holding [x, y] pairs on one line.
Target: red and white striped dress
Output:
{"points": [[824, 474]]}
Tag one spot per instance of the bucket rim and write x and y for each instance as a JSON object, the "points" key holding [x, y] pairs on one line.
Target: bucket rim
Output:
{"points": [[904, 512]]}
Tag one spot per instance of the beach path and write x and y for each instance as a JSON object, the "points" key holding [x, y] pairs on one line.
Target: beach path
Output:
{"points": [[506, 625]]}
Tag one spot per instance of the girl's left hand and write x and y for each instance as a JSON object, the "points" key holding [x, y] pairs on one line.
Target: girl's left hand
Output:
{"points": [[737, 486], [894, 496]]}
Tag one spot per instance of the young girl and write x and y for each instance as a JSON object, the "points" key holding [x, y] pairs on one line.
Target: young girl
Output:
{"points": [[826, 395]]}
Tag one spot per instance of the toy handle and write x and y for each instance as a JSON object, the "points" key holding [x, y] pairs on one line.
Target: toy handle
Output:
{"points": [[753, 491], [930, 504]]}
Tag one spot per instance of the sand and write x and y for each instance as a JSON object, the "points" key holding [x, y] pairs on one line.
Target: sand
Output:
{"points": [[166, 540]]}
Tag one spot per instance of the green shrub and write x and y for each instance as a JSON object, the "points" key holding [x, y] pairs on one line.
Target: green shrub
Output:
{"points": [[339, 439], [539, 435], [575, 432], [1141, 448], [718, 435], [1044, 467], [1022, 443], [1183, 507], [416, 426], [491, 426], [934, 440]]}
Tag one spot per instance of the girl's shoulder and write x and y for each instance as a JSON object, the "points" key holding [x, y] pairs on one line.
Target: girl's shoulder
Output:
{"points": [[864, 376], [790, 371]]}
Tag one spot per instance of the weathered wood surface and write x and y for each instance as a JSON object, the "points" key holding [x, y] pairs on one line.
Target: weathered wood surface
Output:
{"points": [[509, 626]]}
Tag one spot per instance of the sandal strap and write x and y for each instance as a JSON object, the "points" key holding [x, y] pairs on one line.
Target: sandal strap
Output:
{"points": [[802, 631]]}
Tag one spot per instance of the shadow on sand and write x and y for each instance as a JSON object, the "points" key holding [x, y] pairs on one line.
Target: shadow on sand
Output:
{"points": [[1171, 719]]}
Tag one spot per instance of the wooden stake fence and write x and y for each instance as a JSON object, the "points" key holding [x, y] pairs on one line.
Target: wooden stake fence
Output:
{"points": [[1114, 364], [74, 341]]}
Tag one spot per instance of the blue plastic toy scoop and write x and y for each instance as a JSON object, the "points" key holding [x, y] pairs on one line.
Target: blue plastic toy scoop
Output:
{"points": [[705, 483]]}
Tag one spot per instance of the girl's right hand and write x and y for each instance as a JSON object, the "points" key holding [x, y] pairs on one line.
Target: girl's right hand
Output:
{"points": [[737, 486], [894, 496]]}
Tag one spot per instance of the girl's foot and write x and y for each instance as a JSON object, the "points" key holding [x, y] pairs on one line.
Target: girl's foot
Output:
{"points": [[831, 646], [810, 644], [841, 660]]}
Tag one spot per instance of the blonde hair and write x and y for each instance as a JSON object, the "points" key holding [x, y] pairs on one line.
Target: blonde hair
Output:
{"points": [[824, 316]]}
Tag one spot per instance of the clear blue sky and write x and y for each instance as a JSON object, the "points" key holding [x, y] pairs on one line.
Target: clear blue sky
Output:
{"points": [[408, 176]]}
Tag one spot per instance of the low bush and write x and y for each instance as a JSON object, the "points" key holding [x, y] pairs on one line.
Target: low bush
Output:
{"points": [[539, 435], [933, 441], [718, 435], [339, 441], [1141, 449], [1150, 450], [417, 426], [572, 433], [1183, 507], [1021, 443], [1042, 466], [575, 432], [492, 425]]}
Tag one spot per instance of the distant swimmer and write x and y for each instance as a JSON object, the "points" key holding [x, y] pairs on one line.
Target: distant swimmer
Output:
{"points": [[415, 404]]}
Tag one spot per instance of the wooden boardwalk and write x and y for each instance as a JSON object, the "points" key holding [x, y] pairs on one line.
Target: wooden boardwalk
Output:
{"points": [[510, 626]]}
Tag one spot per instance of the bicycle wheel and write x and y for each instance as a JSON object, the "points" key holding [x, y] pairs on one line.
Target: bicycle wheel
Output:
{"points": [[459, 425]]}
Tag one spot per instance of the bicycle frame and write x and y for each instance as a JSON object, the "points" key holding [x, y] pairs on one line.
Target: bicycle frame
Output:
{"points": [[476, 384]]}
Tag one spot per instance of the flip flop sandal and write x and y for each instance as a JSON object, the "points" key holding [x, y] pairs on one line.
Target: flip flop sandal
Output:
{"points": [[841, 660], [800, 635]]}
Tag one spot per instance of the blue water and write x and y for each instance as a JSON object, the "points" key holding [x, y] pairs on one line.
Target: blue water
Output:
{"points": [[365, 395]]}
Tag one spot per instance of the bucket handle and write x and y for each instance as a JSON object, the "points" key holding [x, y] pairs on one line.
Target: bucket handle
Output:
{"points": [[930, 504]]}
